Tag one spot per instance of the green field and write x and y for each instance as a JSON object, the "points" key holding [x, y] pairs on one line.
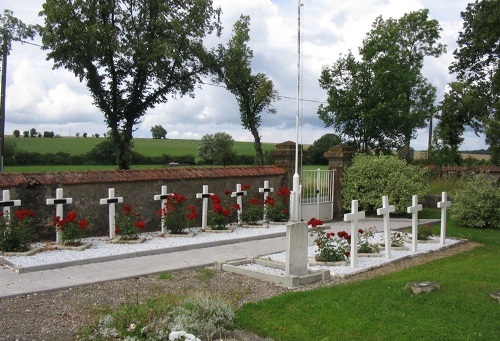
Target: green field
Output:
{"points": [[144, 146]]}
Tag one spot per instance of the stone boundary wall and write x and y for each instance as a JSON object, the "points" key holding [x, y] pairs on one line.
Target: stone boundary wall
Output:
{"points": [[135, 186], [456, 171]]}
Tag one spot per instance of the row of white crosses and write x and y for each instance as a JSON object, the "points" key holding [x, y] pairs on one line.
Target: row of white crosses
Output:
{"points": [[59, 201], [355, 216]]}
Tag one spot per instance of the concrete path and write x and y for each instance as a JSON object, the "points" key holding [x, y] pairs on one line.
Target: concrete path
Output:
{"points": [[14, 284]]}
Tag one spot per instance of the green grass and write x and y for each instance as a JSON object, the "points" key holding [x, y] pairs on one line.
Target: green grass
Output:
{"points": [[382, 309], [144, 146]]}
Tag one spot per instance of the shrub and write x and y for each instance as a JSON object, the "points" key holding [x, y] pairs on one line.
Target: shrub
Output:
{"points": [[371, 177], [476, 204], [176, 214], [16, 234], [203, 316], [277, 209], [73, 230]]}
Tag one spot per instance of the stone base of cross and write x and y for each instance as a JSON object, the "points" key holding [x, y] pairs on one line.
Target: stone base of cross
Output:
{"points": [[444, 204], [59, 201], [414, 209], [296, 249], [204, 209], [112, 200], [239, 195], [354, 218], [386, 210]]}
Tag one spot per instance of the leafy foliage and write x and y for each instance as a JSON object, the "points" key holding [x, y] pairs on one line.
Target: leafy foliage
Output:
{"points": [[16, 234], [217, 149], [277, 208], [73, 230], [371, 177], [477, 203], [254, 93], [315, 152], [379, 102], [158, 132], [132, 55], [129, 225], [176, 214]]}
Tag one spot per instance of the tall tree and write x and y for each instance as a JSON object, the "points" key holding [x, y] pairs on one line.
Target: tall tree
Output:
{"points": [[477, 67], [217, 149], [398, 48], [380, 102], [254, 93], [132, 54], [316, 151], [158, 132]]}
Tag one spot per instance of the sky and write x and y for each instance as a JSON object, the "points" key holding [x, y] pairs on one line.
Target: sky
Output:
{"points": [[48, 99]]}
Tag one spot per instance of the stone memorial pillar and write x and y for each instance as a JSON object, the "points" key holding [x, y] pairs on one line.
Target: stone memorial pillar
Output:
{"points": [[296, 249], [339, 158]]}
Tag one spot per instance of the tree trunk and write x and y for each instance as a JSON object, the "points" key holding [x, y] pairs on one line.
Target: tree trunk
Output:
{"points": [[258, 146]]}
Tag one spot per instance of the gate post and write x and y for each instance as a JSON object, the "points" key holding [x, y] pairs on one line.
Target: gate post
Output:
{"points": [[339, 158], [284, 156]]}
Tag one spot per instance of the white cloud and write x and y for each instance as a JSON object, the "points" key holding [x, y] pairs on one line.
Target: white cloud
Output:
{"points": [[55, 100]]}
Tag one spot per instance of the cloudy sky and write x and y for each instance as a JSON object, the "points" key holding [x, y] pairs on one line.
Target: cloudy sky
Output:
{"points": [[54, 100]]}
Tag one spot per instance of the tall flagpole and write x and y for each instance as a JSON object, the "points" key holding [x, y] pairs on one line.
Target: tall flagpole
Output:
{"points": [[296, 177]]}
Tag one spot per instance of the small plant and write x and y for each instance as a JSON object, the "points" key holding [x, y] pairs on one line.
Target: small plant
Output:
{"points": [[129, 226], [397, 239], [330, 249], [166, 275], [364, 245], [73, 230], [176, 215], [219, 216], [424, 232], [254, 209], [203, 316], [16, 234], [278, 209]]}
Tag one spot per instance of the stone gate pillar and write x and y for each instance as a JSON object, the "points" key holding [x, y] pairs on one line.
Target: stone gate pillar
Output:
{"points": [[339, 158], [284, 156]]}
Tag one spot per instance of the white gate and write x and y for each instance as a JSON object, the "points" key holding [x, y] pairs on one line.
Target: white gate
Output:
{"points": [[317, 194]]}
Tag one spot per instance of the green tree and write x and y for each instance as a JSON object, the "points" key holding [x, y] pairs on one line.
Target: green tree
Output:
{"points": [[316, 151], [381, 101], [17, 133], [217, 149], [254, 93], [33, 132], [477, 67], [132, 54], [158, 132]]}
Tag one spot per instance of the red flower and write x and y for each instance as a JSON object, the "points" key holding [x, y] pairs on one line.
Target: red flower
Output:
{"points": [[245, 187], [117, 229], [23, 213], [83, 224], [361, 231], [71, 216], [215, 199], [127, 209], [228, 192], [254, 201], [315, 222], [139, 224], [269, 201], [283, 192], [191, 213], [347, 253], [56, 221]]}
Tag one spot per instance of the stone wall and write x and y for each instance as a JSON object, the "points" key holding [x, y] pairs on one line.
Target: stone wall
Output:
{"points": [[135, 186]]}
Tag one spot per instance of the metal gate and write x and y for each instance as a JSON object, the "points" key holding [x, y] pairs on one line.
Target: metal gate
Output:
{"points": [[317, 194]]}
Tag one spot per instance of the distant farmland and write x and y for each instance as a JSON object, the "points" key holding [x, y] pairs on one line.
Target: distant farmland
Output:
{"points": [[144, 146]]}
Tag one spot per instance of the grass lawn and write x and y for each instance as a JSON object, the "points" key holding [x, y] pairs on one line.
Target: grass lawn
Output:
{"points": [[382, 309]]}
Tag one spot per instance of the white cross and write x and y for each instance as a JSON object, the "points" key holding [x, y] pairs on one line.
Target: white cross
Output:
{"points": [[7, 203], [386, 210], [266, 190], [414, 221], [59, 201], [444, 204], [111, 201], [354, 218], [238, 194], [204, 210], [163, 197]]}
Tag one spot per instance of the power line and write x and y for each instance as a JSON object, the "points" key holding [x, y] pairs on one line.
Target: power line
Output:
{"points": [[211, 84]]}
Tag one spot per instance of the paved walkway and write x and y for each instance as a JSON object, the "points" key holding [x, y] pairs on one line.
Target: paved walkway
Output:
{"points": [[14, 284]]}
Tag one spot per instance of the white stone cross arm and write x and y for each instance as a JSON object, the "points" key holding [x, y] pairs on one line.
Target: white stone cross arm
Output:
{"points": [[111, 201], [6, 203], [354, 218], [204, 208], [386, 210], [444, 204], [414, 209], [59, 201]]}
